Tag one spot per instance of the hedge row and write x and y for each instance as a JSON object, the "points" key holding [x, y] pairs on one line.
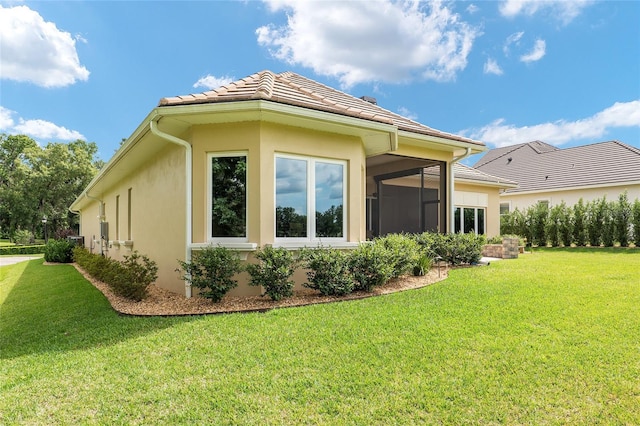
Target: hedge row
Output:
{"points": [[330, 271], [129, 278], [35, 249], [595, 223]]}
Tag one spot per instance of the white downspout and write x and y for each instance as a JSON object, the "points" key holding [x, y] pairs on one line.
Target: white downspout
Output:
{"points": [[153, 126], [452, 210]]}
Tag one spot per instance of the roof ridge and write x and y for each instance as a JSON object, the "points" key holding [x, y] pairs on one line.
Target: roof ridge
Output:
{"points": [[507, 151], [266, 80], [629, 147]]}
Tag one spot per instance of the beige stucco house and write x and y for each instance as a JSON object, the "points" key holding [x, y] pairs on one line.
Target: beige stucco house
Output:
{"points": [[552, 175], [275, 159]]}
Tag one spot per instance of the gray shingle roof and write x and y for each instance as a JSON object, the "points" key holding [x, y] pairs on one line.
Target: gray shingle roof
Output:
{"points": [[293, 89], [537, 166]]}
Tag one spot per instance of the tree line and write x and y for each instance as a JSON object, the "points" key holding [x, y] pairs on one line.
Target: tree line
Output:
{"points": [[596, 223], [38, 182]]}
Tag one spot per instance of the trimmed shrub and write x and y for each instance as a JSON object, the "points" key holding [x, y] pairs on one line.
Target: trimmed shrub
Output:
{"points": [[273, 272], [129, 278], [369, 266], [59, 251], [328, 271], [133, 275], [211, 270], [37, 249], [453, 248], [402, 252]]}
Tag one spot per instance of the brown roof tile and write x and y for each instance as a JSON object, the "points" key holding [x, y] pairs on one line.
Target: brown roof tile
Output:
{"points": [[293, 89]]}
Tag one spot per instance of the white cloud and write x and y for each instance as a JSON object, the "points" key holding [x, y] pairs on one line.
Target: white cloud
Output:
{"points": [[6, 121], [211, 82], [37, 129], [472, 8], [359, 41], [36, 51], [564, 10], [407, 113], [537, 53], [492, 67], [620, 114], [512, 39]]}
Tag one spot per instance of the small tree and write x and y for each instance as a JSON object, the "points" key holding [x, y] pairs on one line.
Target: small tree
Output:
{"points": [[579, 223], [538, 218], [211, 270], [596, 212], [608, 224], [622, 219], [636, 222]]}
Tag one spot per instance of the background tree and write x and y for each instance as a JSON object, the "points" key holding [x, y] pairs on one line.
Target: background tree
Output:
{"points": [[36, 182]]}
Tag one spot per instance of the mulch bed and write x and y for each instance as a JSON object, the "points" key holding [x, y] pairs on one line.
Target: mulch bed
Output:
{"points": [[161, 302]]}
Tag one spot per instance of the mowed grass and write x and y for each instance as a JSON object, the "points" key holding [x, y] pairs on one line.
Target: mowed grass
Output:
{"points": [[550, 338]]}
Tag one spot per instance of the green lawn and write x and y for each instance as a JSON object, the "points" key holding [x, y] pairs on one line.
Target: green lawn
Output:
{"points": [[550, 338]]}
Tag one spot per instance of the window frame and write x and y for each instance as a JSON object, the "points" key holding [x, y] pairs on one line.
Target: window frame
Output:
{"points": [[311, 199], [209, 205], [460, 223]]}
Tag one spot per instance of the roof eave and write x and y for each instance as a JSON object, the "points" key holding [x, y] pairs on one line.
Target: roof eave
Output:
{"points": [[442, 143]]}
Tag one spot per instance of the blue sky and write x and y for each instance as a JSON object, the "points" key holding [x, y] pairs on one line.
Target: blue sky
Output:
{"points": [[503, 72]]}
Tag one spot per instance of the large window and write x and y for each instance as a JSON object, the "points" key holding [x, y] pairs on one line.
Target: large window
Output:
{"points": [[228, 196], [469, 219], [306, 185]]}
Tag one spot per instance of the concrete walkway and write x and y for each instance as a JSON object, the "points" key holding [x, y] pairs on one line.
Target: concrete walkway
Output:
{"points": [[12, 260]]}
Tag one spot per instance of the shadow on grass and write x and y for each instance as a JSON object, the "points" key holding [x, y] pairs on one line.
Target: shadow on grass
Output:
{"points": [[54, 309]]}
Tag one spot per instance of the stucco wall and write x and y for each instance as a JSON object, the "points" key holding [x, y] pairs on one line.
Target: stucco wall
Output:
{"points": [[157, 215], [570, 197], [485, 195]]}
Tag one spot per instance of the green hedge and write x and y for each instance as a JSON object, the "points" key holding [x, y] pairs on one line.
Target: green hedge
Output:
{"points": [[596, 223], [35, 249], [129, 278]]}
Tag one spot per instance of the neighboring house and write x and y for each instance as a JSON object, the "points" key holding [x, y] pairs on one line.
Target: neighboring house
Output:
{"points": [[273, 159], [552, 175]]}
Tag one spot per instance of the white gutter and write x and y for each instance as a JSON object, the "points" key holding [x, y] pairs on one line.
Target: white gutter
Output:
{"points": [[153, 126], [452, 211]]}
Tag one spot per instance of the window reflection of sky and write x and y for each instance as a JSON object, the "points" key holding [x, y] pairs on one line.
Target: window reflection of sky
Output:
{"points": [[291, 184], [329, 182]]}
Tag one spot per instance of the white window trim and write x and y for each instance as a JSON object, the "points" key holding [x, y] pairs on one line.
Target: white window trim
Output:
{"points": [[311, 202], [507, 203], [208, 207], [475, 218]]}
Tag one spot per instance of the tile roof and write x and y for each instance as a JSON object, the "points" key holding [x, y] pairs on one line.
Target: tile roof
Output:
{"points": [[293, 89], [537, 166], [469, 173]]}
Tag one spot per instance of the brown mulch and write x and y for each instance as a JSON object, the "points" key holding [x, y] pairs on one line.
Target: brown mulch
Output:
{"points": [[165, 303]]}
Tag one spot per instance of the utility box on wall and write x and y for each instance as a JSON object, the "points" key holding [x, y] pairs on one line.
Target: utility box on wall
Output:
{"points": [[104, 231]]}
